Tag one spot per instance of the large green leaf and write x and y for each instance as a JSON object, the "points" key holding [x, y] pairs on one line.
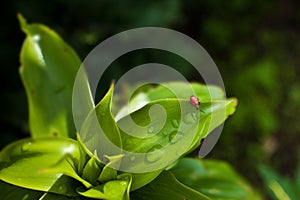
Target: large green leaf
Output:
{"points": [[192, 123], [215, 179], [142, 129], [48, 70], [166, 186], [12, 192], [214, 110], [148, 93], [39, 164]]}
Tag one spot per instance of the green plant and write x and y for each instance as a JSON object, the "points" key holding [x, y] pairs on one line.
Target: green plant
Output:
{"points": [[280, 187], [55, 164]]}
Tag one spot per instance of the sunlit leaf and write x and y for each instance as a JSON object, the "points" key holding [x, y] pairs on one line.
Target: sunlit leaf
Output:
{"points": [[193, 123], [148, 93], [28, 163], [48, 70]]}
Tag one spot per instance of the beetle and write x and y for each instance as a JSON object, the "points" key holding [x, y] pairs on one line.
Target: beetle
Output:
{"points": [[195, 101]]}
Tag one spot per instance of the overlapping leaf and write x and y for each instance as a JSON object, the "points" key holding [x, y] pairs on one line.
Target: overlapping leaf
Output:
{"points": [[216, 179], [166, 186], [39, 164]]}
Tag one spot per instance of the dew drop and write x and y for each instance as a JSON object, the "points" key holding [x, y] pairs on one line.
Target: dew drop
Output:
{"points": [[150, 129], [165, 133], [155, 153], [175, 123], [195, 115], [102, 114], [175, 136], [25, 197], [62, 189], [26, 147], [123, 183], [36, 38], [132, 158], [189, 118], [128, 142]]}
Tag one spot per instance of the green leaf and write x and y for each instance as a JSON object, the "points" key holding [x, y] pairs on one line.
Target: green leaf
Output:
{"points": [[106, 141], [147, 94], [48, 70], [107, 174], [65, 186], [112, 190], [85, 155], [52, 196], [27, 163], [278, 187], [215, 179], [192, 124], [214, 114], [128, 178], [166, 186], [9, 192], [107, 121], [141, 179], [140, 118], [214, 107], [91, 170]]}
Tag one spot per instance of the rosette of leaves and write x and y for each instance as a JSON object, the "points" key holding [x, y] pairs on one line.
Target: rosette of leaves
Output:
{"points": [[55, 164]]}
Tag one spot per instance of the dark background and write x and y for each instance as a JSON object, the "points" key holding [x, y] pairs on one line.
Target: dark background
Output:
{"points": [[255, 44]]}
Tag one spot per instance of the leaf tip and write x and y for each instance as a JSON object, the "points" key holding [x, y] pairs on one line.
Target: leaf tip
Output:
{"points": [[234, 101], [113, 82], [22, 21]]}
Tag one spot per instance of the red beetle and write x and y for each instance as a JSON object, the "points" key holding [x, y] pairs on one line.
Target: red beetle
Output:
{"points": [[194, 101]]}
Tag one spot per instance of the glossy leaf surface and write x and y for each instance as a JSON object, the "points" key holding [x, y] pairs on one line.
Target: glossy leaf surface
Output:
{"points": [[48, 70], [34, 164], [166, 186], [216, 179]]}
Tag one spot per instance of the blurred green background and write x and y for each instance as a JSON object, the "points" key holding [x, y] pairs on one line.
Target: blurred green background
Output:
{"points": [[255, 44]]}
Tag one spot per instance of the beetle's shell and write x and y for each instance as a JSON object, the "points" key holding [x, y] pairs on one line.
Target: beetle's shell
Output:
{"points": [[194, 101]]}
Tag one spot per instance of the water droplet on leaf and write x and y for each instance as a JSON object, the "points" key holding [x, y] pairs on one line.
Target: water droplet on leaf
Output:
{"points": [[62, 189], [25, 147], [175, 136], [175, 123], [165, 133], [189, 118], [155, 153], [150, 129], [195, 115], [123, 183], [25, 197], [132, 158], [128, 142]]}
